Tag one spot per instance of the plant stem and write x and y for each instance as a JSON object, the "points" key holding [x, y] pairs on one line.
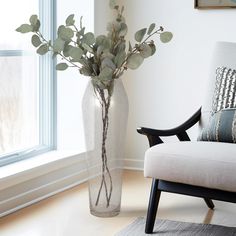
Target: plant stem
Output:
{"points": [[105, 105]]}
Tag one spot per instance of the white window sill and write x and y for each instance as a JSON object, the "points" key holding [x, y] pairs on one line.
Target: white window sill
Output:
{"points": [[32, 180], [25, 170]]}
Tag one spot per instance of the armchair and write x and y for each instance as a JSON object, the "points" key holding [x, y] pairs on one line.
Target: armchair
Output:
{"points": [[204, 168]]}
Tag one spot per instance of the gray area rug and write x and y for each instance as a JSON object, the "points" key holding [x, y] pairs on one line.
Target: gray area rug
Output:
{"points": [[170, 228]]}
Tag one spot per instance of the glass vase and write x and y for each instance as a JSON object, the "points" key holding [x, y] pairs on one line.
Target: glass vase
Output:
{"points": [[105, 113]]}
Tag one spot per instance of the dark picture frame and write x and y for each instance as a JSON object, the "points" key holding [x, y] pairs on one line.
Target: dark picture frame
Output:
{"points": [[214, 4]]}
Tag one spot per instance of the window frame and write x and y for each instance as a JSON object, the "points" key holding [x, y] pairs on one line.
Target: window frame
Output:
{"points": [[47, 89]]}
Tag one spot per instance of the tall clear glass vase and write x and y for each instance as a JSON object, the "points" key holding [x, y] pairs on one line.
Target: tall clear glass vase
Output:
{"points": [[105, 113]]}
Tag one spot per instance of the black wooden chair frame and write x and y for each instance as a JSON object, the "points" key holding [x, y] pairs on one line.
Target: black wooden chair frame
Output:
{"points": [[158, 186]]}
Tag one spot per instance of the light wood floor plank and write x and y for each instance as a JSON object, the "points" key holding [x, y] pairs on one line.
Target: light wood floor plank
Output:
{"points": [[67, 213]]}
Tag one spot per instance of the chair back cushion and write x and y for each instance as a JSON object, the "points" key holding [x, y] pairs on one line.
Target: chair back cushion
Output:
{"points": [[221, 92]]}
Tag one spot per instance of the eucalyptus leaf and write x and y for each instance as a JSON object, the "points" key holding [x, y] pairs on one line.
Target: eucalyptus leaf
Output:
{"points": [[33, 20], [134, 61], [81, 22], [153, 47], [43, 49], [107, 62], [120, 58], [87, 47], [111, 88], [70, 20], [166, 37], [65, 33], [140, 34], [120, 47], [35, 40], [66, 49], [61, 66], [88, 38], [145, 50], [58, 45], [151, 28], [85, 71], [100, 39], [75, 52], [97, 83], [107, 54], [123, 30], [36, 26], [106, 73], [25, 28]]}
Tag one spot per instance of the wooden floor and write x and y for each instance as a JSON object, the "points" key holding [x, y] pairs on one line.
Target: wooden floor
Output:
{"points": [[67, 213]]}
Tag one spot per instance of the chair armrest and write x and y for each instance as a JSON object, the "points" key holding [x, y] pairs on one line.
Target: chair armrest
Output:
{"points": [[180, 131]]}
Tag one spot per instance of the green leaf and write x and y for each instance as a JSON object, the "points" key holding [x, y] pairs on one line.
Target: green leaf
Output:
{"points": [[134, 61], [81, 22], [58, 45], [151, 28], [145, 50], [111, 88], [35, 40], [85, 71], [106, 73], [65, 33], [140, 34], [88, 38], [36, 26], [43, 49], [166, 37], [70, 20], [112, 4], [25, 28], [100, 39], [66, 49], [120, 58], [61, 66], [87, 47], [153, 47], [107, 62], [75, 53], [33, 20], [123, 30]]}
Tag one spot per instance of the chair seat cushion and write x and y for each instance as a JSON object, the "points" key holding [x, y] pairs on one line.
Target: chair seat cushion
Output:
{"points": [[205, 164]]}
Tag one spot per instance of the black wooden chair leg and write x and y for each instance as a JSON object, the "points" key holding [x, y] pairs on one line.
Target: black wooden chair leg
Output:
{"points": [[209, 203], [152, 206]]}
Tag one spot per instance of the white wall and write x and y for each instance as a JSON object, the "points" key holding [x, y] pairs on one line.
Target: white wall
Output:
{"points": [[169, 87]]}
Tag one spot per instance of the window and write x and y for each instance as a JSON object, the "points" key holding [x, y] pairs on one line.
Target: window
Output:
{"points": [[26, 83]]}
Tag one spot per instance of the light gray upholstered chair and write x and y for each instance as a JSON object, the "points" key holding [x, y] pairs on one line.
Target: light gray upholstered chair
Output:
{"points": [[204, 169]]}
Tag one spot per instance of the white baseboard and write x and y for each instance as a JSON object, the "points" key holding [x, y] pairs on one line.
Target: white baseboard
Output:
{"points": [[34, 190], [133, 164]]}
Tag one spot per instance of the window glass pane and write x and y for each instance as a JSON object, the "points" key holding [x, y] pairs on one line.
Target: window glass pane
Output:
{"points": [[19, 81], [12, 14]]}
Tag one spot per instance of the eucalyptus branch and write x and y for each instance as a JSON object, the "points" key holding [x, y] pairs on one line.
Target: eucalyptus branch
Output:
{"points": [[103, 58], [155, 32]]}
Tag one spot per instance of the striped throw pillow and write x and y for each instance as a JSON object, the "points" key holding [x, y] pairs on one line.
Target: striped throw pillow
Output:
{"points": [[225, 89], [221, 127], [222, 122]]}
